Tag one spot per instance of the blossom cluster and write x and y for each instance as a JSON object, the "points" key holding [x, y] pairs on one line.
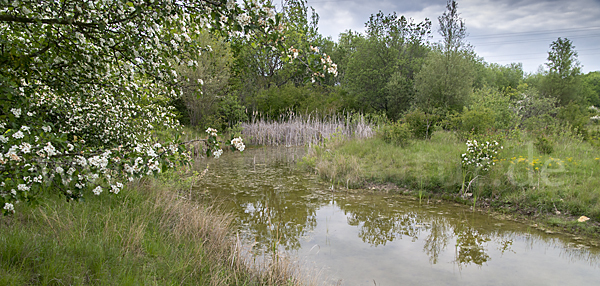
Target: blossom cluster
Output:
{"points": [[238, 144], [480, 155], [85, 109], [34, 158], [329, 65], [213, 145], [211, 131], [313, 58]]}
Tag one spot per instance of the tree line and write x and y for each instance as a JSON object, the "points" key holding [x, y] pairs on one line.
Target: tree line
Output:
{"points": [[392, 69]]}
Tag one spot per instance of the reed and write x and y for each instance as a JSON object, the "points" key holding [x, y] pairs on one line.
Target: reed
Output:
{"points": [[297, 130]]}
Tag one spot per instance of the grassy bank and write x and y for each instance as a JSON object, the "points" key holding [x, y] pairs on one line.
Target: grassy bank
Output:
{"points": [[146, 235], [565, 182]]}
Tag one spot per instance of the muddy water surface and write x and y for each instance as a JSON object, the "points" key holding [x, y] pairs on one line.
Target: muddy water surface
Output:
{"points": [[385, 239]]}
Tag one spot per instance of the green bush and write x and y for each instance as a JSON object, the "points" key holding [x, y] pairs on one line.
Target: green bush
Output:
{"points": [[472, 122], [577, 116], [503, 110], [420, 124], [278, 101], [397, 133], [544, 145], [594, 138]]}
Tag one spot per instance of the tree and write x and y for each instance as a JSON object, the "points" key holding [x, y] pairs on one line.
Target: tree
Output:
{"points": [[592, 82], [84, 84], [503, 78], [446, 78], [343, 50], [381, 70], [563, 79], [258, 67], [562, 59], [205, 87], [452, 28], [445, 82]]}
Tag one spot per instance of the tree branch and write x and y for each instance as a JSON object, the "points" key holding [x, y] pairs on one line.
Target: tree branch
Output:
{"points": [[11, 18]]}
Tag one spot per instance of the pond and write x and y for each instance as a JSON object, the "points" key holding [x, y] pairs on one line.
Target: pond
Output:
{"points": [[379, 238]]}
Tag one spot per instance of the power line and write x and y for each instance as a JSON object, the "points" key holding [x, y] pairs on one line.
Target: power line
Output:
{"points": [[516, 34], [530, 58], [529, 54], [535, 40]]}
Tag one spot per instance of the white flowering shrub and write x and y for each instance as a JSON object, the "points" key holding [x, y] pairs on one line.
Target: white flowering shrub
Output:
{"points": [[480, 155], [479, 158], [84, 85], [214, 147]]}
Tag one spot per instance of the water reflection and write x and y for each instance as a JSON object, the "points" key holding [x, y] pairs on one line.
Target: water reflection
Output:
{"points": [[280, 207], [437, 239], [275, 205]]}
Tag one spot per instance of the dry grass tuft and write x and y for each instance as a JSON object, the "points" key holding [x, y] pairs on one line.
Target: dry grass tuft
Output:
{"points": [[211, 228]]}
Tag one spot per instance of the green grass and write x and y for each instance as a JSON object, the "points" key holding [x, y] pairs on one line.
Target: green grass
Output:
{"points": [[567, 180], [146, 235]]}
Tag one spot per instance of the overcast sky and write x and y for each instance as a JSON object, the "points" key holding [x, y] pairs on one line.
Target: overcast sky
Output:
{"points": [[501, 31]]}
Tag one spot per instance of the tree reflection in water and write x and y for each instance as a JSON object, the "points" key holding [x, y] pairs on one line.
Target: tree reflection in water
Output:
{"points": [[276, 206], [379, 223], [470, 246], [437, 240]]}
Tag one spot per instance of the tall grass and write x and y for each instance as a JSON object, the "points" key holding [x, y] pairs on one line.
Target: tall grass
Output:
{"points": [[146, 235], [296, 130]]}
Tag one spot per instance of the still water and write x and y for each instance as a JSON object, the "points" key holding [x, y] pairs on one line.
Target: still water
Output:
{"points": [[365, 238]]}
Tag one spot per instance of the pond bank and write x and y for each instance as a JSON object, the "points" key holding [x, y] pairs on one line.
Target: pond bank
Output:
{"points": [[148, 234], [550, 223], [359, 236], [554, 199]]}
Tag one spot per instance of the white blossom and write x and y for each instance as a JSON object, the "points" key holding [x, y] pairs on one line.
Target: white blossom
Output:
{"points": [[25, 147], [18, 135], [16, 112], [22, 187], [9, 207], [97, 191]]}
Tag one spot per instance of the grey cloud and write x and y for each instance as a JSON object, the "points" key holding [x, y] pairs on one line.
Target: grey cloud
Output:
{"points": [[501, 31]]}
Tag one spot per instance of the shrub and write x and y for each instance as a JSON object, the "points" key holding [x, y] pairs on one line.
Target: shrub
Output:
{"points": [[478, 159], [577, 116], [500, 106], [472, 122], [480, 155], [477, 120], [420, 124], [544, 145], [397, 133]]}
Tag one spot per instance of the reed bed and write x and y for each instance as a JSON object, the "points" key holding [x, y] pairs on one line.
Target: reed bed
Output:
{"points": [[297, 130]]}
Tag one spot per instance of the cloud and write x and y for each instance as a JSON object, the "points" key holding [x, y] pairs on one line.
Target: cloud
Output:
{"points": [[502, 31]]}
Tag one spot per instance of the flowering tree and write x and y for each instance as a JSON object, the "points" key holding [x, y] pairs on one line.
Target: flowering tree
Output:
{"points": [[84, 85]]}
